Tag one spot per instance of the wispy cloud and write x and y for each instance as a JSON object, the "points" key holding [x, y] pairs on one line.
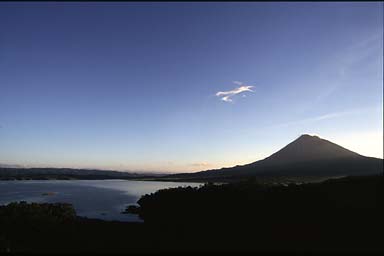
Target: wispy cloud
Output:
{"points": [[226, 95], [324, 117], [352, 57], [202, 164]]}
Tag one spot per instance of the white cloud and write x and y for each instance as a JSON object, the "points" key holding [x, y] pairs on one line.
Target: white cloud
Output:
{"points": [[226, 98], [228, 94]]}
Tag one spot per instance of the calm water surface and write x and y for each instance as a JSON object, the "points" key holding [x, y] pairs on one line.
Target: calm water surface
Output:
{"points": [[101, 199]]}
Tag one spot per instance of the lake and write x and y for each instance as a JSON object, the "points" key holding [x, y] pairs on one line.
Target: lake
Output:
{"points": [[101, 199]]}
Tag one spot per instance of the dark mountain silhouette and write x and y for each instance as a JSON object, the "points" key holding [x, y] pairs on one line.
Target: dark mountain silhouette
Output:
{"points": [[309, 148], [306, 156]]}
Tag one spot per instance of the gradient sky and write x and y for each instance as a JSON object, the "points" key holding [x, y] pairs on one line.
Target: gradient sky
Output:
{"points": [[155, 86]]}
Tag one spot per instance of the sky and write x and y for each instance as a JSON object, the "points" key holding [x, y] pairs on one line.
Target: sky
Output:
{"points": [[188, 86]]}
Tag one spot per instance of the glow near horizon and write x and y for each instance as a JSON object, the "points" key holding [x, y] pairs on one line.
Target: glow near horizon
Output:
{"points": [[152, 107]]}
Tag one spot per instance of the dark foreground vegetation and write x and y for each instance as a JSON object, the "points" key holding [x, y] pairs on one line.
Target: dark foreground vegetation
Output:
{"points": [[340, 215]]}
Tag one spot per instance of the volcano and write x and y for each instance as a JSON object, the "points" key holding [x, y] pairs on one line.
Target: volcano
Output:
{"points": [[309, 148], [306, 156]]}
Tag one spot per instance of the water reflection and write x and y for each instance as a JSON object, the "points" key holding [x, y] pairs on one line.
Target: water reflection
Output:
{"points": [[102, 199]]}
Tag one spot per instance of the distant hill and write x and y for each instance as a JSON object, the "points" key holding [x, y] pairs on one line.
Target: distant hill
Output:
{"points": [[10, 166], [306, 156], [8, 173]]}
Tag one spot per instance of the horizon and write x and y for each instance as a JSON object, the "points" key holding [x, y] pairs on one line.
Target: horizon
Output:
{"points": [[165, 172], [186, 87]]}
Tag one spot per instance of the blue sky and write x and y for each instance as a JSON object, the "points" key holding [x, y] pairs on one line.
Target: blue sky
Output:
{"points": [[136, 86]]}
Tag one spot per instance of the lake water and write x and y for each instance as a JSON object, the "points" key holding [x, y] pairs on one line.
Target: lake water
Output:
{"points": [[101, 199]]}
